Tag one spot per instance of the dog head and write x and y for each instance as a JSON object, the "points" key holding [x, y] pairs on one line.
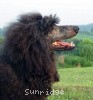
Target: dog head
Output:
{"points": [[47, 28]]}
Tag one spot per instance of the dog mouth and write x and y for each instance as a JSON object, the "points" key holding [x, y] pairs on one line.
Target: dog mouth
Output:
{"points": [[61, 45], [62, 33]]}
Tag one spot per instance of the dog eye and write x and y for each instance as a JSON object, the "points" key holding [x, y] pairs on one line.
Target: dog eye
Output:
{"points": [[52, 28]]}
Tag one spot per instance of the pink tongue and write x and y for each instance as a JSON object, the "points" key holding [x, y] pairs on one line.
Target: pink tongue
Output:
{"points": [[63, 43]]}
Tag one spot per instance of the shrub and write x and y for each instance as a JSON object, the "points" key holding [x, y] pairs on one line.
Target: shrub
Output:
{"points": [[85, 49], [73, 61]]}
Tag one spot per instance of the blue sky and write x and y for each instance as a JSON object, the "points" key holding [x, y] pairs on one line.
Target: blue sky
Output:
{"points": [[70, 12]]}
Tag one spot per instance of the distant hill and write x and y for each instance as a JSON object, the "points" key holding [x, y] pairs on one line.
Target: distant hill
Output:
{"points": [[88, 27], [83, 28], [2, 31]]}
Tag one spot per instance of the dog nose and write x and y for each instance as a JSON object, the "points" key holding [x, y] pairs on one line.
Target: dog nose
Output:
{"points": [[76, 29]]}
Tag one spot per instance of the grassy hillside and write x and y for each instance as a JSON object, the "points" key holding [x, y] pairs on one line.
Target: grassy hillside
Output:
{"points": [[76, 84]]}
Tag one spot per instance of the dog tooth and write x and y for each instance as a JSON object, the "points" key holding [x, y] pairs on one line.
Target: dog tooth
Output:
{"points": [[72, 44]]}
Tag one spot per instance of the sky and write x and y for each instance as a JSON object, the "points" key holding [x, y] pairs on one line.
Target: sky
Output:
{"points": [[70, 12]]}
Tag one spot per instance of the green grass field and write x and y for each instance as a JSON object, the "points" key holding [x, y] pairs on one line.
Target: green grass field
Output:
{"points": [[76, 84]]}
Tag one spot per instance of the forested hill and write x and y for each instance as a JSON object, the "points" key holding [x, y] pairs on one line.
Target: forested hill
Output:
{"points": [[83, 28], [88, 27]]}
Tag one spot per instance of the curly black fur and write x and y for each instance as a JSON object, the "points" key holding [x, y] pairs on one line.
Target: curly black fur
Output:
{"points": [[27, 61]]}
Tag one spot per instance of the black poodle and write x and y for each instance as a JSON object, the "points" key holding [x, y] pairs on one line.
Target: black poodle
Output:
{"points": [[27, 61]]}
